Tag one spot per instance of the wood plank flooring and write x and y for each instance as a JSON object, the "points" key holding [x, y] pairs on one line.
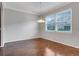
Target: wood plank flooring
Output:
{"points": [[37, 47]]}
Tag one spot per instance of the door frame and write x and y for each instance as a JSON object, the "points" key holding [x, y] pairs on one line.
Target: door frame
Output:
{"points": [[2, 25]]}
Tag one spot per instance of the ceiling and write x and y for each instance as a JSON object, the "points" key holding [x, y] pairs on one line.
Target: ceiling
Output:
{"points": [[34, 7]]}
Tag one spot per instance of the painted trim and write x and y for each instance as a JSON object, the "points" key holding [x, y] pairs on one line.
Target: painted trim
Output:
{"points": [[62, 43], [70, 9], [55, 14], [46, 23], [32, 12], [6, 7], [29, 12], [2, 26], [21, 40]]}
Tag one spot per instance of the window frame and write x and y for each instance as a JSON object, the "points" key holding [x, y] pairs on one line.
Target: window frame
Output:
{"points": [[56, 30], [46, 23], [63, 21]]}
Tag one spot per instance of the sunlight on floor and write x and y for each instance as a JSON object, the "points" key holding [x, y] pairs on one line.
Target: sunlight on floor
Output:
{"points": [[49, 52]]}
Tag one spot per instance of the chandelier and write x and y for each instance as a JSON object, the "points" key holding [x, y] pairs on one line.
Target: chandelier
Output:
{"points": [[42, 19]]}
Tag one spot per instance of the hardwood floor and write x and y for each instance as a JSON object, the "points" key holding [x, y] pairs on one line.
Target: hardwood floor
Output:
{"points": [[37, 47]]}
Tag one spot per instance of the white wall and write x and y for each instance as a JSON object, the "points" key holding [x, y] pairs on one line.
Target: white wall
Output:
{"points": [[19, 26], [23, 26], [71, 39]]}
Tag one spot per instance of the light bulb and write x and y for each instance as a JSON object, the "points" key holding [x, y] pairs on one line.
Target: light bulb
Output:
{"points": [[40, 21]]}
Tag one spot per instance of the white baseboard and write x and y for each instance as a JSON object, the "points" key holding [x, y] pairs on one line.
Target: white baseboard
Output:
{"points": [[2, 45], [20, 39], [63, 43]]}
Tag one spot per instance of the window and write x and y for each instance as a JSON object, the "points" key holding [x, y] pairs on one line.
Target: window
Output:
{"points": [[60, 22], [50, 23]]}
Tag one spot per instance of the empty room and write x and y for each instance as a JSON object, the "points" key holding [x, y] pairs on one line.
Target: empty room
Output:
{"points": [[39, 29]]}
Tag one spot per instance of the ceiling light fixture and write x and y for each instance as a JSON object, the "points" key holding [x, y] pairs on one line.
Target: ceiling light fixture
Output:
{"points": [[42, 19]]}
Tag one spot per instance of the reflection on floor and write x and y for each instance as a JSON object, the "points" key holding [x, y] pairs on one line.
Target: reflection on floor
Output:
{"points": [[49, 52], [37, 47]]}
